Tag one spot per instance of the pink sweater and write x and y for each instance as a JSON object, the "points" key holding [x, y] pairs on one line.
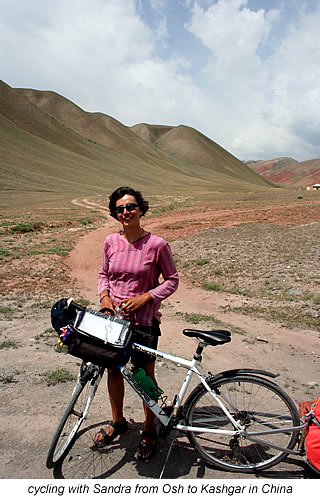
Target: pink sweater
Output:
{"points": [[132, 269]]}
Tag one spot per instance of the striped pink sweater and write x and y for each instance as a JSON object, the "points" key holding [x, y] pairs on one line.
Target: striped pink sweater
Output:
{"points": [[132, 269]]}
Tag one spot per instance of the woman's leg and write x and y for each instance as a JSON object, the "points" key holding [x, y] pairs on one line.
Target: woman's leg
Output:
{"points": [[116, 395], [147, 336], [149, 416], [148, 440]]}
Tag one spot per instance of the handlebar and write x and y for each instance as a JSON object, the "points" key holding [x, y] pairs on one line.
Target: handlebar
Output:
{"points": [[76, 306]]}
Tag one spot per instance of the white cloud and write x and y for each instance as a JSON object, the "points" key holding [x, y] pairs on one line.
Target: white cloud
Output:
{"points": [[236, 76], [263, 100], [161, 30], [226, 29], [81, 49], [290, 119], [103, 59], [244, 77]]}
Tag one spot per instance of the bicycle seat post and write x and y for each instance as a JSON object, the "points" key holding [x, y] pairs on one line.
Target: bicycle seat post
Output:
{"points": [[198, 352]]}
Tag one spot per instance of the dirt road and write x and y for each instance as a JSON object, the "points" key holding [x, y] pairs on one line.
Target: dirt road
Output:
{"points": [[30, 408]]}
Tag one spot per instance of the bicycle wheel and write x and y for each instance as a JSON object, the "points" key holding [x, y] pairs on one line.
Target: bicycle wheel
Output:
{"points": [[73, 416], [256, 403]]}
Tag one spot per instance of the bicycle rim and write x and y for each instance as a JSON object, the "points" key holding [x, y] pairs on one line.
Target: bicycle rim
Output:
{"points": [[71, 421], [256, 403]]}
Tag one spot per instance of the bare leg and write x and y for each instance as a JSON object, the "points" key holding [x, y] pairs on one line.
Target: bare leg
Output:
{"points": [[116, 395], [149, 416], [145, 451]]}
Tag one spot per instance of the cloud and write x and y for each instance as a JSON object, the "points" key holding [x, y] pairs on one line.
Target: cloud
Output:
{"points": [[246, 77], [270, 106], [292, 107], [236, 77], [102, 58], [228, 28], [78, 49]]}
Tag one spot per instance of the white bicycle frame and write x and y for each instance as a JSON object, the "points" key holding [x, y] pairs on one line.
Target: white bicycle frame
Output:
{"points": [[193, 368]]}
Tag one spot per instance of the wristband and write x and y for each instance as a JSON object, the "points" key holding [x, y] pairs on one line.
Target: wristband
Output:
{"points": [[102, 298]]}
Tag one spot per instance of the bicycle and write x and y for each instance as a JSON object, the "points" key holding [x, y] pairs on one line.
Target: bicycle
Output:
{"points": [[237, 420]]}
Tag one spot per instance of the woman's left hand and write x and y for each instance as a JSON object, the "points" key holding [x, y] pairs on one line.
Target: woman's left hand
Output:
{"points": [[135, 302]]}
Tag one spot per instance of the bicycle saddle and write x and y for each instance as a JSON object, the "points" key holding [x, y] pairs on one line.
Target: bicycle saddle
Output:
{"points": [[213, 338]]}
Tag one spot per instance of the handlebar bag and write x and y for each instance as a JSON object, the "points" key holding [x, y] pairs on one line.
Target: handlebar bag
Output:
{"points": [[312, 440], [99, 338]]}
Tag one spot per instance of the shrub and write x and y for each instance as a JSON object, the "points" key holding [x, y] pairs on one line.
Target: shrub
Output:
{"points": [[26, 227], [8, 344], [6, 378], [85, 221], [212, 286], [59, 375], [4, 252], [201, 261]]}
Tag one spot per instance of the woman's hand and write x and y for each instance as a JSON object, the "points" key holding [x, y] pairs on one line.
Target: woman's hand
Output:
{"points": [[106, 302], [135, 302]]}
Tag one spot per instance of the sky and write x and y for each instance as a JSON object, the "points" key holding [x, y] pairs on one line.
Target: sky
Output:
{"points": [[245, 73]]}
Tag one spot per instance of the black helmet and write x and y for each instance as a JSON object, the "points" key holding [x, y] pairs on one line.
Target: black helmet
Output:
{"points": [[62, 314]]}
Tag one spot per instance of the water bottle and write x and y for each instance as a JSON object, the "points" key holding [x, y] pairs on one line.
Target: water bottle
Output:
{"points": [[118, 312], [149, 386]]}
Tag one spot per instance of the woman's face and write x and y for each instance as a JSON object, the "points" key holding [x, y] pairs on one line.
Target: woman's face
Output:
{"points": [[128, 211]]}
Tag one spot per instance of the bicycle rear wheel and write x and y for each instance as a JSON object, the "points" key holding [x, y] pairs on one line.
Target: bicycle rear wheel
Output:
{"points": [[256, 403], [73, 416]]}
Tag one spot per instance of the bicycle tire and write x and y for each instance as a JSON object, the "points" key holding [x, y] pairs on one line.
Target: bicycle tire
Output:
{"points": [[72, 419], [254, 401]]}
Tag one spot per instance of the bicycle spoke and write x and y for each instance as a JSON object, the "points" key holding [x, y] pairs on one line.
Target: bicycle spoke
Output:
{"points": [[73, 417], [256, 405]]}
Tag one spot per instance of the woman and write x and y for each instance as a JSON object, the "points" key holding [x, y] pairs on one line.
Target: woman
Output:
{"points": [[133, 260]]}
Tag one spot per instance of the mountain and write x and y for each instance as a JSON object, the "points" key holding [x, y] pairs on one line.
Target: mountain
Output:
{"points": [[97, 127], [288, 171], [51, 149], [190, 146]]}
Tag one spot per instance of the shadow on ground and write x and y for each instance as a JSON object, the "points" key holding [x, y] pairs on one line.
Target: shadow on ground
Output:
{"points": [[85, 461]]}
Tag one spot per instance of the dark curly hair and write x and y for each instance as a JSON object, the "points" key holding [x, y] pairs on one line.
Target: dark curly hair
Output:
{"points": [[122, 191]]}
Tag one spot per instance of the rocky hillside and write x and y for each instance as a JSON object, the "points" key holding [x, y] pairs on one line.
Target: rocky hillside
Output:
{"points": [[288, 171]]}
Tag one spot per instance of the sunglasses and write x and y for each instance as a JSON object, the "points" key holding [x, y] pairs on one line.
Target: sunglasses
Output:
{"points": [[128, 207]]}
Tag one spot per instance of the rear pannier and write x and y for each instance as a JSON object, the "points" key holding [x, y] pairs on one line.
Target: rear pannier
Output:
{"points": [[312, 439]]}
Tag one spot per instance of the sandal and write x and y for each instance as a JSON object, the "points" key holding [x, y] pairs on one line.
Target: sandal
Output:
{"points": [[106, 439], [151, 446]]}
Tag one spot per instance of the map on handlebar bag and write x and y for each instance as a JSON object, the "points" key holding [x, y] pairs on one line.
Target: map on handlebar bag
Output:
{"points": [[110, 329]]}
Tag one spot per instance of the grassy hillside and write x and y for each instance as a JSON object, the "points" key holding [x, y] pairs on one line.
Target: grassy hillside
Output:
{"points": [[50, 149]]}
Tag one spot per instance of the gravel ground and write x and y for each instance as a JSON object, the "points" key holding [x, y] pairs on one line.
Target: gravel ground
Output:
{"points": [[274, 267], [251, 265]]}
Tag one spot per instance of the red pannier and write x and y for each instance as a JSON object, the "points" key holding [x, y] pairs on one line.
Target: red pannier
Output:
{"points": [[312, 440]]}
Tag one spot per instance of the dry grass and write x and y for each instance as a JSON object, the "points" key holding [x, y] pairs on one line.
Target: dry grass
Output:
{"points": [[271, 267]]}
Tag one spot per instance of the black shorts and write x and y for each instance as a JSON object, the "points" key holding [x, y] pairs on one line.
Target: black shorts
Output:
{"points": [[147, 336]]}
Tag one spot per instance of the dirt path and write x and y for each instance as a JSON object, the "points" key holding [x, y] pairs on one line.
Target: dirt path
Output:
{"points": [[261, 337], [267, 346], [30, 409]]}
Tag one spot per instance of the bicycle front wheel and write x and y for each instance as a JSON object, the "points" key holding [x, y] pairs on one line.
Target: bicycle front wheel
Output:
{"points": [[254, 402], [72, 418]]}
